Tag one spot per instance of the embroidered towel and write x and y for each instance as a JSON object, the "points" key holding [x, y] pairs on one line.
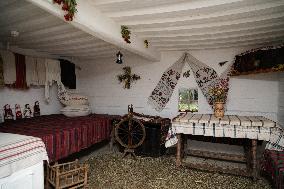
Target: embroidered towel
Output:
{"points": [[20, 72], [9, 67], [53, 73], [1, 72], [31, 71], [164, 89]]}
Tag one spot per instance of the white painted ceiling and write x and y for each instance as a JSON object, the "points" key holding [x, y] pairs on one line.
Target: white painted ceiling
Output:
{"points": [[46, 33], [169, 25], [199, 24]]}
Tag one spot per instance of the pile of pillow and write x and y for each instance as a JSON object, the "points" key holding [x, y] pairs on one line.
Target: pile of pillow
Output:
{"points": [[76, 105]]}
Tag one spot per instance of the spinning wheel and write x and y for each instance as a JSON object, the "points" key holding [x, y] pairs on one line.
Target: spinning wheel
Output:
{"points": [[130, 133]]}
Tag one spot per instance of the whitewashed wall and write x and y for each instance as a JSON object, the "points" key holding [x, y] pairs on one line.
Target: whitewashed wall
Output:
{"points": [[22, 97], [97, 79]]}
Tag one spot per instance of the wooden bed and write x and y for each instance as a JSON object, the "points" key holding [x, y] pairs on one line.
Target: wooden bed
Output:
{"points": [[63, 135]]}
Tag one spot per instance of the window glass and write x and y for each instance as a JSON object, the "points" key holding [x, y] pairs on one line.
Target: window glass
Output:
{"points": [[188, 100]]}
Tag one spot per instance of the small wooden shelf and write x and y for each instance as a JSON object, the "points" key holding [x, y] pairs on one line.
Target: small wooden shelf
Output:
{"points": [[257, 72]]}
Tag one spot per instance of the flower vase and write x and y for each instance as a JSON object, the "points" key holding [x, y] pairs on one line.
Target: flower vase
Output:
{"points": [[219, 110]]}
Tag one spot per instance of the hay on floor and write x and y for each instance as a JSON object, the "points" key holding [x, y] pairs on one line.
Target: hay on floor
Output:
{"points": [[111, 171]]}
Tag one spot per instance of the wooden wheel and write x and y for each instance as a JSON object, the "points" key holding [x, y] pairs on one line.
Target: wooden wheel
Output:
{"points": [[130, 132]]}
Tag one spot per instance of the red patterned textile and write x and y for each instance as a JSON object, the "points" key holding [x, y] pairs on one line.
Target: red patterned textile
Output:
{"points": [[20, 72], [273, 164], [63, 135]]}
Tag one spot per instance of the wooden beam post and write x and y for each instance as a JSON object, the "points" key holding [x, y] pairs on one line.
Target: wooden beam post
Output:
{"points": [[179, 144], [253, 158]]}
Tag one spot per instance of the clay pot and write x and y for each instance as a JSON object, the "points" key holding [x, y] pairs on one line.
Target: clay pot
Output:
{"points": [[219, 110]]}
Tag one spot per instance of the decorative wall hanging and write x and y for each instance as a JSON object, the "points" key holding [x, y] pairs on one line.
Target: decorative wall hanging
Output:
{"points": [[1, 72], [18, 111], [146, 43], [69, 6], [36, 109], [125, 33], [205, 76], [127, 77], [53, 74], [119, 58], [8, 114], [165, 87], [20, 72], [9, 67], [27, 111]]}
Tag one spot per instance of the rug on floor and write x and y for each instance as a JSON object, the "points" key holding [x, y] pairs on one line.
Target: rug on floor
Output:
{"points": [[111, 171]]}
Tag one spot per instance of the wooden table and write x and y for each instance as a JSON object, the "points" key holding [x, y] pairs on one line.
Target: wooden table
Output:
{"points": [[251, 128]]}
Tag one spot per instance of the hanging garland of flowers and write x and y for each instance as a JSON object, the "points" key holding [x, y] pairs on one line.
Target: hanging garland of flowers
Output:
{"points": [[69, 6], [146, 43], [125, 34]]}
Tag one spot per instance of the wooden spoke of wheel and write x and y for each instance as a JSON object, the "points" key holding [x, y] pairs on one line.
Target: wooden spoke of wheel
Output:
{"points": [[130, 133]]}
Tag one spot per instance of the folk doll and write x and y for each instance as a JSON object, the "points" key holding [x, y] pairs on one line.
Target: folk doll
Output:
{"points": [[36, 109], [18, 111], [8, 114], [27, 111]]}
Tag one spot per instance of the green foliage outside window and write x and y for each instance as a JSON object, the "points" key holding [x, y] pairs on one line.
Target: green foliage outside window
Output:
{"points": [[188, 100]]}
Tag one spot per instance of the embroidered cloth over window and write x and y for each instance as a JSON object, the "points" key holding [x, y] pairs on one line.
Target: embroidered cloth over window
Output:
{"points": [[205, 76]]}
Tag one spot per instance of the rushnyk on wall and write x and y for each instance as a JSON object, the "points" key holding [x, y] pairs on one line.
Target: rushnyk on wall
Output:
{"points": [[98, 81]]}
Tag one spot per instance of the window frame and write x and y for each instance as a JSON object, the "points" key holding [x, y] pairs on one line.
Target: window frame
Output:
{"points": [[195, 98]]}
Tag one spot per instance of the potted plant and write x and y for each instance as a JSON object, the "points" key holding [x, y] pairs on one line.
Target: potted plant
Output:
{"points": [[219, 95]]}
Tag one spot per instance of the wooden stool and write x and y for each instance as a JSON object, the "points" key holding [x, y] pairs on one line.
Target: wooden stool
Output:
{"points": [[67, 175]]}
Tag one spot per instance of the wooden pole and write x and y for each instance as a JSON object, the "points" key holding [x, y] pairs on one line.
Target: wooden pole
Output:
{"points": [[253, 158], [179, 143]]}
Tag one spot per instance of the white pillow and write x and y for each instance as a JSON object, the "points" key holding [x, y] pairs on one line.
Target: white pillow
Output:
{"points": [[74, 111]]}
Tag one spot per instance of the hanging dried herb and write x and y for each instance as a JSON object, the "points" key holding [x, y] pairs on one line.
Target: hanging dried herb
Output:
{"points": [[125, 33]]}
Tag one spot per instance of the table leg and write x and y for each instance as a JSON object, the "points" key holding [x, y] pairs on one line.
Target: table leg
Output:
{"points": [[253, 158], [179, 143]]}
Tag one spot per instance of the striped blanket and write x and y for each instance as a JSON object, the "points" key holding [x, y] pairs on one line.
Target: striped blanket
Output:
{"points": [[63, 135], [232, 126], [19, 152]]}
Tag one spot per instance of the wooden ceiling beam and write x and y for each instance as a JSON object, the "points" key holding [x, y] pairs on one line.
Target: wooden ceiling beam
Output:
{"points": [[93, 22]]}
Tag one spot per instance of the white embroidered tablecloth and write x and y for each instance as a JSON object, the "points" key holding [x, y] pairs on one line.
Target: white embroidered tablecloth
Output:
{"points": [[19, 152], [232, 126]]}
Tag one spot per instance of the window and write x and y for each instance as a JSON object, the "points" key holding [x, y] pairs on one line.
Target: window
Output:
{"points": [[188, 100]]}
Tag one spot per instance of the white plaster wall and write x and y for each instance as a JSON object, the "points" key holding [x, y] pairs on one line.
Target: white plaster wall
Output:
{"points": [[22, 97], [98, 81]]}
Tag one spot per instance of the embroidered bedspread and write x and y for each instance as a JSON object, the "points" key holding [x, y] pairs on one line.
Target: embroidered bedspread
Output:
{"points": [[63, 135], [19, 152], [232, 126]]}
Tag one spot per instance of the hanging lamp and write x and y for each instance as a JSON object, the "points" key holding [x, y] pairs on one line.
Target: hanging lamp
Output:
{"points": [[119, 58]]}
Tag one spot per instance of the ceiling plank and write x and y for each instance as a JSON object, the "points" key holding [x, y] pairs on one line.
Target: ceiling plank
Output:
{"points": [[236, 13], [257, 19]]}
